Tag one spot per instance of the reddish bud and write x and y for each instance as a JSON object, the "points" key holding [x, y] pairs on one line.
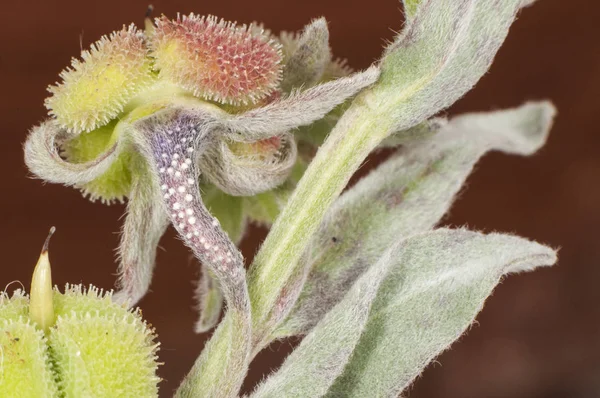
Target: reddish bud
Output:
{"points": [[217, 60]]}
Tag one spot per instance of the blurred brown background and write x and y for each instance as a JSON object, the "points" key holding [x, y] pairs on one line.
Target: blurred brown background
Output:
{"points": [[539, 335]]}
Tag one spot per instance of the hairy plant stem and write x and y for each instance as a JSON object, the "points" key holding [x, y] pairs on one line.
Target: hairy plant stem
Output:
{"points": [[272, 291]]}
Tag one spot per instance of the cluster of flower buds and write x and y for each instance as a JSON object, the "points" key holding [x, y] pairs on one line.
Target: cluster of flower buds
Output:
{"points": [[187, 105]]}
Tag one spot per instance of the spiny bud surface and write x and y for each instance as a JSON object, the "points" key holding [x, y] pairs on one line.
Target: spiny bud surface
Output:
{"points": [[217, 60], [94, 90]]}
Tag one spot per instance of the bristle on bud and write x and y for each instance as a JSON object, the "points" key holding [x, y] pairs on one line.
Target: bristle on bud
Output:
{"points": [[95, 89], [217, 60]]}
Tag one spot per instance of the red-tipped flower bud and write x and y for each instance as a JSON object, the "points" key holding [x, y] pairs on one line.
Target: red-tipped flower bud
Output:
{"points": [[217, 60]]}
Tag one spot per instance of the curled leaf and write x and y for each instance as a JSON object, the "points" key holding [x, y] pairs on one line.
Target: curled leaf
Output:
{"points": [[43, 158], [115, 183], [243, 169]]}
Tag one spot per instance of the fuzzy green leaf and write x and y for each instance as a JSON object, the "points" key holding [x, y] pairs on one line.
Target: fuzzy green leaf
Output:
{"points": [[312, 368], [438, 57], [437, 284], [144, 225], [407, 194]]}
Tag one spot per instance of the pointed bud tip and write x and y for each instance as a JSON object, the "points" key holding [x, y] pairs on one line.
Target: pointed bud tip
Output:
{"points": [[47, 242], [149, 10], [41, 306]]}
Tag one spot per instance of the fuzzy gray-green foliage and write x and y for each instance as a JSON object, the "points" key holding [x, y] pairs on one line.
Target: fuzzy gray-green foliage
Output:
{"points": [[419, 296], [437, 284], [300, 108], [443, 51], [142, 230], [407, 194], [313, 366], [310, 57], [249, 174]]}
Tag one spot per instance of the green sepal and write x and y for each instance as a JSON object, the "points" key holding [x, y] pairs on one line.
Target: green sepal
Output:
{"points": [[115, 183]]}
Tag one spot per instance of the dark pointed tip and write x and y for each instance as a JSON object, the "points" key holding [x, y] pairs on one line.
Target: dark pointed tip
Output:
{"points": [[149, 10], [47, 242]]}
